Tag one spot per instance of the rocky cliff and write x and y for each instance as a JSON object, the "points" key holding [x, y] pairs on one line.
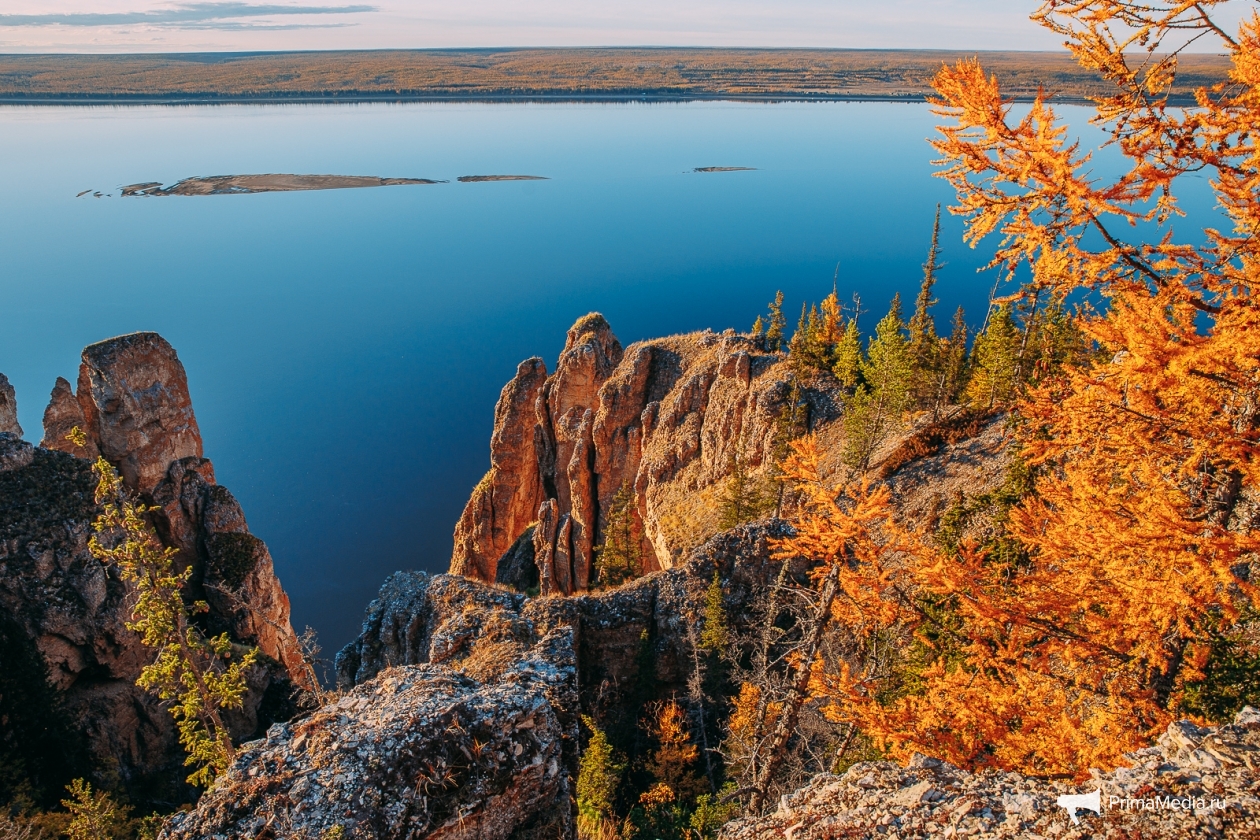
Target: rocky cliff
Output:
{"points": [[461, 717], [453, 677], [133, 404], [664, 417], [1194, 782], [420, 751]]}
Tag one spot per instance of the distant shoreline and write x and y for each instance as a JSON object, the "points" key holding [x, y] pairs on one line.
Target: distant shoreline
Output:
{"points": [[613, 75], [505, 98]]}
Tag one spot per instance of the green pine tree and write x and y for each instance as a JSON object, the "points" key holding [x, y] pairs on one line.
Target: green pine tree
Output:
{"points": [[1056, 341], [758, 328], [952, 371], [808, 349], [93, 816], [599, 773], [791, 423], [201, 676], [777, 327], [620, 558], [744, 499], [925, 346], [716, 634], [995, 362], [876, 407], [848, 365]]}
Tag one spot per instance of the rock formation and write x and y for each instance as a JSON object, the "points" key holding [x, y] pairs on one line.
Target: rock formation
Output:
{"points": [[484, 633], [423, 619], [8, 409], [133, 404], [419, 751], [136, 410], [64, 414], [665, 417], [1206, 768]]}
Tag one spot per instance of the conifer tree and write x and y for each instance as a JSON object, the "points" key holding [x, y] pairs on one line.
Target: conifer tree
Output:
{"points": [[599, 773], [878, 405], [951, 372], [832, 329], [995, 362], [715, 636], [791, 422], [797, 348], [674, 760], [925, 347], [758, 328], [744, 499], [202, 675], [93, 816], [848, 364], [775, 329], [620, 558]]}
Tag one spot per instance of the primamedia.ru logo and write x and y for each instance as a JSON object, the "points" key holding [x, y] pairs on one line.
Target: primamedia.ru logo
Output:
{"points": [[1094, 801], [1196, 804]]}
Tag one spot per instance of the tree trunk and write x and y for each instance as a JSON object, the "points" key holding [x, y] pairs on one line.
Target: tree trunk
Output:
{"points": [[796, 692]]}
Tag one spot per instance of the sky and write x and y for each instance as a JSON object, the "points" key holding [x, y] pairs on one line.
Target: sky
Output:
{"points": [[92, 26], [118, 26]]}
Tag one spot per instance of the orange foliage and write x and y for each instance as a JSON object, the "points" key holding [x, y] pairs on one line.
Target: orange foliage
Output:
{"points": [[1135, 533], [673, 763]]}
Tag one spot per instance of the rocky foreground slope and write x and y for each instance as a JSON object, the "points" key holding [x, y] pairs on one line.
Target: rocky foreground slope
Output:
{"points": [[462, 716], [63, 606], [420, 751], [1193, 782]]}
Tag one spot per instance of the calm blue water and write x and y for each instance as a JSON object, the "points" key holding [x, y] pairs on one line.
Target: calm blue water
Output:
{"points": [[345, 348]]}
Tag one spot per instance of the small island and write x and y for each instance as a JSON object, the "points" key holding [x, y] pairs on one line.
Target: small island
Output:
{"points": [[478, 179], [725, 169], [246, 184]]}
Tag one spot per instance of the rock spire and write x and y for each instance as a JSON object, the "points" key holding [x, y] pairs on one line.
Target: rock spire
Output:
{"points": [[665, 417], [8, 409], [134, 406]]}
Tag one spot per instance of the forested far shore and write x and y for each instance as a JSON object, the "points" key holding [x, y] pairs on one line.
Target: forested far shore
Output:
{"points": [[614, 73]]}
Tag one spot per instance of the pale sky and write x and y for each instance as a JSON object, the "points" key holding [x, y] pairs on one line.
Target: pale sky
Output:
{"points": [[154, 26]]}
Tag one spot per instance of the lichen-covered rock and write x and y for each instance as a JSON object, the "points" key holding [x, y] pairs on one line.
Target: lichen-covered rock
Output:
{"points": [[587, 651], [419, 619], [482, 631], [666, 418], [8, 409], [1215, 772], [415, 752]]}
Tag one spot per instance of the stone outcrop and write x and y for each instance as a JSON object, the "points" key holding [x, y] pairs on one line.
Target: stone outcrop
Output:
{"points": [[1216, 772], [8, 409], [420, 619], [609, 638], [507, 499], [63, 415], [133, 404], [418, 751], [665, 417], [136, 410]]}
